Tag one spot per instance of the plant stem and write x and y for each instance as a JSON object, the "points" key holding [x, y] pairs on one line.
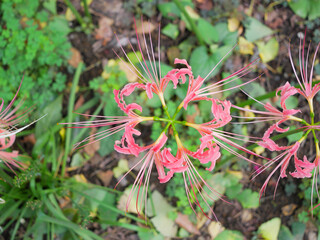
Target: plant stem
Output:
{"points": [[75, 12], [69, 116], [86, 10], [190, 20]]}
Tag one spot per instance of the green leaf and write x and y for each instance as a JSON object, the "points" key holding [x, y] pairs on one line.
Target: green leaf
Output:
{"points": [[53, 111], [304, 9], [294, 137], [233, 191], [298, 229], [202, 63], [171, 30], [209, 32], [285, 233], [255, 29], [270, 229], [107, 143], [268, 51], [248, 198], [230, 235]]}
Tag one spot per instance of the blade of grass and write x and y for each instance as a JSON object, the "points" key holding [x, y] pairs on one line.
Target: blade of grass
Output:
{"points": [[85, 234], [69, 116], [16, 227]]}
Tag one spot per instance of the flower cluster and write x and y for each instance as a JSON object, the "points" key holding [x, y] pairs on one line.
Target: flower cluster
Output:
{"points": [[9, 121], [168, 163], [308, 89]]}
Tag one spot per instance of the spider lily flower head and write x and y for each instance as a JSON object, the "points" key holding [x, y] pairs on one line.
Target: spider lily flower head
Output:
{"points": [[305, 80], [8, 157], [195, 185], [146, 162], [11, 118], [273, 114]]}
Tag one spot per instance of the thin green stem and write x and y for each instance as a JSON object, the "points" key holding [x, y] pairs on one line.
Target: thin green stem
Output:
{"points": [[70, 115], [75, 12], [86, 10], [84, 130], [190, 20]]}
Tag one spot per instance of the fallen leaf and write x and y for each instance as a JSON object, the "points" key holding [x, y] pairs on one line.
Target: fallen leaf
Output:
{"points": [[122, 167], [288, 209], [69, 15], [214, 228], [92, 148], [245, 46], [104, 32], [233, 24], [130, 76], [30, 139], [246, 215], [122, 204], [268, 51], [79, 102], [75, 58], [145, 27], [270, 229], [80, 178], [183, 221], [105, 177]]}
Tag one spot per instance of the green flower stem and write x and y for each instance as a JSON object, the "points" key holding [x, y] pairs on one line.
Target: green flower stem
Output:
{"points": [[75, 12], [84, 130], [190, 20], [86, 10], [69, 116]]}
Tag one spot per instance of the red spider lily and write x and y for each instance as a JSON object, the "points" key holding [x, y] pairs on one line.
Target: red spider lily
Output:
{"points": [[8, 157], [273, 113], [194, 183], [306, 81], [152, 81], [146, 162]]}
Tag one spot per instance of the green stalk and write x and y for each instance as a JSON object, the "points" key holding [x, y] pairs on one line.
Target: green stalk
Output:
{"points": [[84, 130], [86, 10], [69, 116], [75, 12], [190, 20]]}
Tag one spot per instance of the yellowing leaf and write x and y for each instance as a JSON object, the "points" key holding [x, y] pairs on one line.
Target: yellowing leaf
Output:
{"points": [[193, 14], [69, 15], [268, 51], [80, 178], [214, 229], [259, 150], [122, 167], [233, 24], [270, 230], [245, 46]]}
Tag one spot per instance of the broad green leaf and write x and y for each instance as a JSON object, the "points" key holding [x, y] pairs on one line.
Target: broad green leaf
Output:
{"points": [[248, 199], [285, 233], [255, 29], [230, 235], [107, 143], [233, 191], [268, 51], [304, 9], [202, 63], [171, 30], [270, 229], [294, 137], [53, 111], [209, 32], [298, 229]]}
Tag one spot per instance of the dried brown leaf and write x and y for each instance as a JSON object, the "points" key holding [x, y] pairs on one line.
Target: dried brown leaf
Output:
{"points": [[183, 221]]}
